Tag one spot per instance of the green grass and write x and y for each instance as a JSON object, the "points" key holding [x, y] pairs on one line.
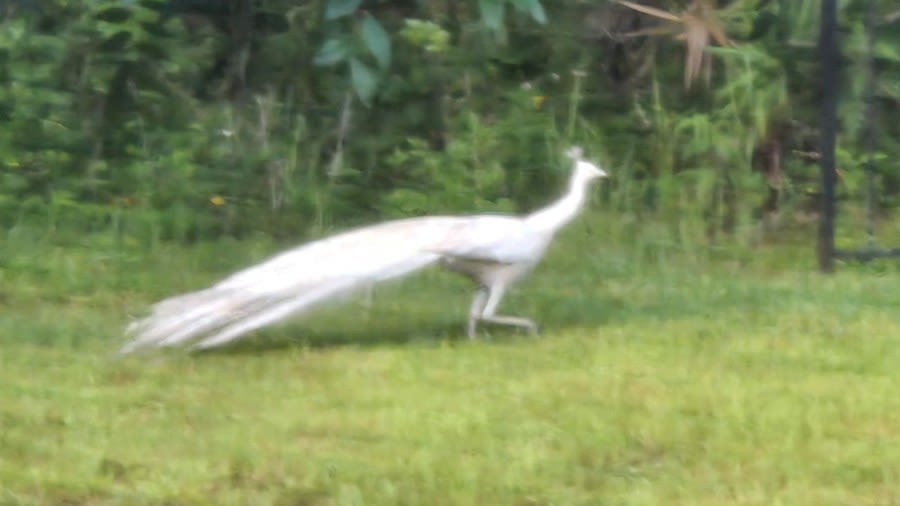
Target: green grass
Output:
{"points": [[663, 376]]}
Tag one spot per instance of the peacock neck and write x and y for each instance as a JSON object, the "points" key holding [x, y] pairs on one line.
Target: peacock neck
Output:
{"points": [[557, 215]]}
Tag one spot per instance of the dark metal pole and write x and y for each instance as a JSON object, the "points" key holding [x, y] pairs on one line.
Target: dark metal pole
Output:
{"points": [[828, 49]]}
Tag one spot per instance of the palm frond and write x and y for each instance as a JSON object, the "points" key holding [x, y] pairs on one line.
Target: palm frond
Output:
{"points": [[697, 26]]}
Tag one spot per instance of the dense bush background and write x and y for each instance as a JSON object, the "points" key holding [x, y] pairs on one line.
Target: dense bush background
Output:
{"points": [[155, 120]]}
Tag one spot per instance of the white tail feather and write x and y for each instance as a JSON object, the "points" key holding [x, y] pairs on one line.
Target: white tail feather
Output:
{"points": [[273, 314], [291, 283]]}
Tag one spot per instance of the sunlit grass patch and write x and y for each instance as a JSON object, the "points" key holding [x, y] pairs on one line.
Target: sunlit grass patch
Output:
{"points": [[741, 380]]}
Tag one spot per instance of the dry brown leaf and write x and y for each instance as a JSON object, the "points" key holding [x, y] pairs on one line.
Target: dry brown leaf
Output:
{"points": [[696, 26], [653, 11]]}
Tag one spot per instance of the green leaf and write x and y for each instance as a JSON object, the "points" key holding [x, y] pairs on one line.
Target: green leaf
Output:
{"points": [[887, 51], [338, 8], [537, 11], [113, 14], [365, 82], [532, 7], [377, 40], [492, 13], [332, 51]]}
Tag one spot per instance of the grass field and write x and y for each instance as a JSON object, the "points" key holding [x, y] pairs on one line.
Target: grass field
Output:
{"points": [[662, 377]]}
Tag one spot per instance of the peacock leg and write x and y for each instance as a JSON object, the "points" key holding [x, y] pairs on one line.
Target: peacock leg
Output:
{"points": [[489, 313], [481, 297]]}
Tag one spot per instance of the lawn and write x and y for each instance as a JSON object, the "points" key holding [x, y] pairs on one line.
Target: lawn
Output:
{"points": [[662, 376]]}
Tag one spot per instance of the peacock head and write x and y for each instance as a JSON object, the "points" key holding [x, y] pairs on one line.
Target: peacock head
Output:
{"points": [[584, 170]]}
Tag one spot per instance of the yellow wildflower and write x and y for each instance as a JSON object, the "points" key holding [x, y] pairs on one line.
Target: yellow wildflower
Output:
{"points": [[217, 200]]}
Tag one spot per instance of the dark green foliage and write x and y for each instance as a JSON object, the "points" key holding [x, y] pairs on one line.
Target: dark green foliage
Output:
{"points": [[185, 119]]}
